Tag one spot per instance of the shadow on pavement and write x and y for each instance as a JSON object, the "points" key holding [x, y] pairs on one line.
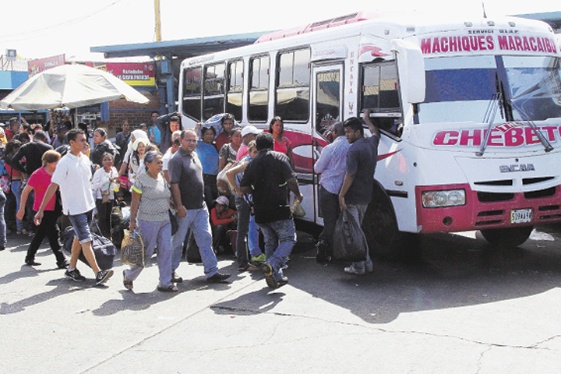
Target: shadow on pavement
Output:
{"points": [[448, 271]]}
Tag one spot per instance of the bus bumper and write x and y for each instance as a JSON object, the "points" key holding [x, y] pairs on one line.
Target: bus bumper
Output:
{"points": [[489, 210]]}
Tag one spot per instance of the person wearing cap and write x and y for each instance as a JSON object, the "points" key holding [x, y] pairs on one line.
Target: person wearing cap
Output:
{"points": [[247, 228], [249, 133], [222, 218], [331, 164], [167, 130], [60, 138]]}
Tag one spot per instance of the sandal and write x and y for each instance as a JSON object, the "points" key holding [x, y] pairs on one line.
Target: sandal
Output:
{"points": [[127, 283], [172, 288]]}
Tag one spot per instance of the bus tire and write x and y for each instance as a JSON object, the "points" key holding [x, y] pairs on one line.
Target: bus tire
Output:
{"points": [[381, 230], [508, 237]]}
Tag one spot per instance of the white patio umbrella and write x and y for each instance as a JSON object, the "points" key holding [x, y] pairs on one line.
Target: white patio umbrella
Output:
{"points": [[69, 86]]}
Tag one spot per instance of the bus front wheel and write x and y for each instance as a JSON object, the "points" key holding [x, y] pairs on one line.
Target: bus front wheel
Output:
{"points": [[381, 230], [508, 237]]}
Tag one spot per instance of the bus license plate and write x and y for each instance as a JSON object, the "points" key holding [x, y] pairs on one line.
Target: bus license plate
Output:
{"points": [[521, 216]]}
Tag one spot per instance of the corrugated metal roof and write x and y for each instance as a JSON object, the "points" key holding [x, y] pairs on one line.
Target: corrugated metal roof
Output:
{"points": [[179, 48]]}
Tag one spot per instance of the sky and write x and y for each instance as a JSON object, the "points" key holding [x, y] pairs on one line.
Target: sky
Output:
{"points": [[39, 29]]}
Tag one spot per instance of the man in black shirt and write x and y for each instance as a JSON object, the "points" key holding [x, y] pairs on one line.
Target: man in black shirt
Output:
{"points": [[28, 158], [269, 178]]}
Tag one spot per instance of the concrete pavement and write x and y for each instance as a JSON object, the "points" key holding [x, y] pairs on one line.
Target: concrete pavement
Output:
{"points": [[403, 318]]}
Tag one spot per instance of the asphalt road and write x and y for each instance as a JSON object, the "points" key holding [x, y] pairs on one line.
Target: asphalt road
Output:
{"points": [[459, 306]]}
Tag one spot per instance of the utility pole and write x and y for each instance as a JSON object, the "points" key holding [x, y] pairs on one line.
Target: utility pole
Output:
{"points": [[158, 27]]}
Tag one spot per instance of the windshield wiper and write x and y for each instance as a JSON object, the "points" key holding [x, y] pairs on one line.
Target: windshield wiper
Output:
{"points": [[546, 144], [489, 118]]}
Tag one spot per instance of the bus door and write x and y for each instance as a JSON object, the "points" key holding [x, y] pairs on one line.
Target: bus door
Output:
{"points": [[327, 81]]}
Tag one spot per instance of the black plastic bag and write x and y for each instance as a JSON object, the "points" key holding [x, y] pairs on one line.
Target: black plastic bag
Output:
{"points": [[349, 242]]}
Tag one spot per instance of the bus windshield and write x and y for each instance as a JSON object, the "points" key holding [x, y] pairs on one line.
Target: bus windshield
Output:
{"points": [[459, 89]]}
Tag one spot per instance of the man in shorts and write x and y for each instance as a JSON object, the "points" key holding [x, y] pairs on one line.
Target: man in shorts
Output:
{"points": [[72, 176]]}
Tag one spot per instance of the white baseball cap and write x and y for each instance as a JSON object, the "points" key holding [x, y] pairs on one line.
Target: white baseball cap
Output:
{"points": [[250, 130]]}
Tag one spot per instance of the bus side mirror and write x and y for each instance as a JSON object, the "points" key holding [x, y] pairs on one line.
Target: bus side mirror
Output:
{"points": [[411, 70]]}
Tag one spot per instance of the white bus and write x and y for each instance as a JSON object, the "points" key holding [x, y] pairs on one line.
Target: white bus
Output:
{"points": [[470, 115]]}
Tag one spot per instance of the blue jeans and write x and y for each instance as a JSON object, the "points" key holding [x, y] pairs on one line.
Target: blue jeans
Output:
{"points": [[155, 234], [16, 190], [2, 220], [358, 211], [246, 228], [198, 221], [280, 238], [81, 224]]}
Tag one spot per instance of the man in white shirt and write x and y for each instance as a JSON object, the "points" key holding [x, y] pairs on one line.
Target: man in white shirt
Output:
{"points": [[332, 167], [170, 152], [72, 175]]}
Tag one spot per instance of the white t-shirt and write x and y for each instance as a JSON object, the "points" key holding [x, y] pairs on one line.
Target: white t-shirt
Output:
{"points": [[165, 159], [73, 175]]}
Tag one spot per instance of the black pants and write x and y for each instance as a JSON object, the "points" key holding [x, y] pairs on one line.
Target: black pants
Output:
{"points": [[48, 228], [104, 217], [329, 206]]}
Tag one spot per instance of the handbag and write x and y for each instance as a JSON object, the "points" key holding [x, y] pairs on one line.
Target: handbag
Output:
{"points": [[132, 249], [105, 196], [349, 241], [173, 222]]}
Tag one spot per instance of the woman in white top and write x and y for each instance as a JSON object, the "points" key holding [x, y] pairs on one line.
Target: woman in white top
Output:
{"points": [[104, 182]]}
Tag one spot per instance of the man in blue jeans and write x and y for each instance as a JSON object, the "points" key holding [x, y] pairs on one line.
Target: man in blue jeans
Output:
{"points": [[72, 176], [358, 184], [187, 190], [269, 178]]}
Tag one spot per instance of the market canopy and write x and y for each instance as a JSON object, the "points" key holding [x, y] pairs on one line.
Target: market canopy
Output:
{"points": [[70, 86]]}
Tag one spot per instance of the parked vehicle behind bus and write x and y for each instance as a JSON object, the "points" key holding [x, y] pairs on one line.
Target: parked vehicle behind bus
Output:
{"points": [[469, 111]]}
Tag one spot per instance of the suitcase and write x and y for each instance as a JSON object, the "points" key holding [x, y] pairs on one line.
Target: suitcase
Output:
{"points": [[103, 248]]}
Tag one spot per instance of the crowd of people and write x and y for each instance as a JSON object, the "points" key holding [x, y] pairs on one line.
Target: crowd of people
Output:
{"points": [[216, 187]]}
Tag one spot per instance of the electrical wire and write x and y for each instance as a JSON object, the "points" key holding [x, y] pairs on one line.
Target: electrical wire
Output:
{"points": [[30, 34]]}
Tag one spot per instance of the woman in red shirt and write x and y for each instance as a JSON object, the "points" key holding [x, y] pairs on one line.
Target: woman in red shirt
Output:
{"points": [[282, 143], [39, 181]]}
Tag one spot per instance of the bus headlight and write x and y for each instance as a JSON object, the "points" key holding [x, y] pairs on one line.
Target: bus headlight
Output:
{"points": [[441, 199]]}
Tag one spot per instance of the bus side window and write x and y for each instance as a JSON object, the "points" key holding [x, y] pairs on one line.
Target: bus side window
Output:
{"points": [[380, 93]]}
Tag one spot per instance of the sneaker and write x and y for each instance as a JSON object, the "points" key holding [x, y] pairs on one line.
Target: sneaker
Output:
{"points": [[126, 282], [171, 288], [260, 258], [62, 265], [353, 270], [218, 278], [103, 276], [369, 265], [74, 275], [176, 278], [267, 270], [32, 263]]}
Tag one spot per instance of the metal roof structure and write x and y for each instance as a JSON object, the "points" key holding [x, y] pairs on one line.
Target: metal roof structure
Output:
{"points": [[551, 18], [180, 49]]}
